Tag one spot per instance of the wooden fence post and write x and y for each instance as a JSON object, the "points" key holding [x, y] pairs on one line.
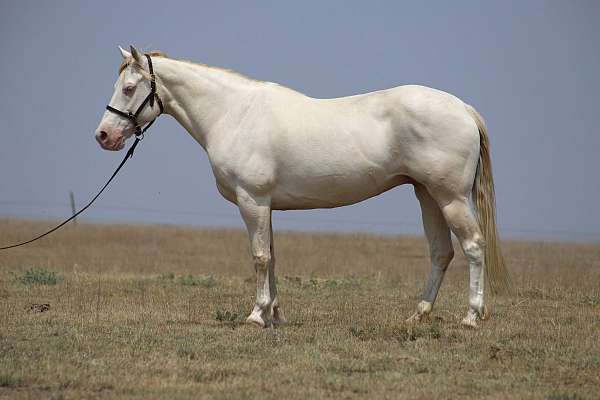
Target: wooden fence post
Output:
{"points": [[72, 197]]}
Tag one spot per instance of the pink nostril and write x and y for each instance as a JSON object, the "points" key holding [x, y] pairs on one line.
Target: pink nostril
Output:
{"points": [[103, 135]]}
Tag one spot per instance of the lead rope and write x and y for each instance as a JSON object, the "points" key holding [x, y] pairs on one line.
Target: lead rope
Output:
{"points": [[127, 157]]}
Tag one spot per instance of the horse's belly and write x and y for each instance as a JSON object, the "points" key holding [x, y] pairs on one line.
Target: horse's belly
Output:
{"points": [[331, 169], [331, 191]]}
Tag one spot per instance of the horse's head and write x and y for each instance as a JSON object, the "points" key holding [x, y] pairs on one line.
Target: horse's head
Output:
{"points": [[133, 102]]}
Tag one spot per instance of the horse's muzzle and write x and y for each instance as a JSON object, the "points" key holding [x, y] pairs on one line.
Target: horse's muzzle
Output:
{"points": [[113, 142]]}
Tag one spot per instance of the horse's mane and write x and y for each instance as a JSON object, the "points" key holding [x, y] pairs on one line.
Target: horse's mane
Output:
{"points": [[157, 53]]}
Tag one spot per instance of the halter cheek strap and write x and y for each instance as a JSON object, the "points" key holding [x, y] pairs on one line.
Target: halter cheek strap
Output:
{"points": [[139, 131]]}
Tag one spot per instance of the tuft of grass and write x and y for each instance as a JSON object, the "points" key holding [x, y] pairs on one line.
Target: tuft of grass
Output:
{"points": [[312, 284], [228, 316], [216, 375], [167, 276], [332, 284], [591, 300], [398, 333], [191, 280], [565, 396], [185, 351], [39, 276], [199, 376], [10, 381]]}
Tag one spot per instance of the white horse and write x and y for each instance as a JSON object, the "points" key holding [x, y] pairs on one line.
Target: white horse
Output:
{"points": [[272, 148]]}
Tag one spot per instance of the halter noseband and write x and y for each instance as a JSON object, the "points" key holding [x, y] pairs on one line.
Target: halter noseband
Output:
{"points": [[139, 131]]}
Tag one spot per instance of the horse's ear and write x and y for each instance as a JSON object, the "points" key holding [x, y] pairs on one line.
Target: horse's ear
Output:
{"points": [[137, 56], [124, 53]]}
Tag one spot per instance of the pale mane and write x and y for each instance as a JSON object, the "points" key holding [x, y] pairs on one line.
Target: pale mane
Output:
{"points": [[157, 53]]}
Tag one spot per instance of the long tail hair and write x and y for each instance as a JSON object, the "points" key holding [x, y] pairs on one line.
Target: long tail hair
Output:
{"points": [[484, 200]]}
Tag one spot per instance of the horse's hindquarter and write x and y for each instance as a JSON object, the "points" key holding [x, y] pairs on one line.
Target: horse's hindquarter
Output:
{"points": [[437, 139]]}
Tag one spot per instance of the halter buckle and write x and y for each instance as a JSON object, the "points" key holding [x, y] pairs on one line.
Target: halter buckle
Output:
{"points": [[139, 132]]}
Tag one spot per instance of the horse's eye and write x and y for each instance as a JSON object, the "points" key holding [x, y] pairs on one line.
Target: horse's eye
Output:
{"points": [[128, 90]]}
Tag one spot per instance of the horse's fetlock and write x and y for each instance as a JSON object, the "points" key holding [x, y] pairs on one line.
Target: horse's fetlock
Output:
{"points": [[476, 304], [264, 303]]}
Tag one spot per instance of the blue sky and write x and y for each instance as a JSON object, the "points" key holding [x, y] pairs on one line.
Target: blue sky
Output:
{"points": [[531, 68]]}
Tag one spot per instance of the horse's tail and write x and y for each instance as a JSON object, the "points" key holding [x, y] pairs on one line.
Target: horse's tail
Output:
{"points": [[484, 199]]}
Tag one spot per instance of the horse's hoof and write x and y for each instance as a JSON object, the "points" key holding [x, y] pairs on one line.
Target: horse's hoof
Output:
{"points": [[470, 321], [256, 320], [423, 310]]}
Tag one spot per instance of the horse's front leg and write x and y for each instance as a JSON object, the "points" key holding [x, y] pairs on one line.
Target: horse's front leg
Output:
{"points": [[256, 212], [278, 317]]}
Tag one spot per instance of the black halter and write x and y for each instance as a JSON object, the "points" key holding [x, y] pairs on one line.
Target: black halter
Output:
{"points": [[139, 131]]}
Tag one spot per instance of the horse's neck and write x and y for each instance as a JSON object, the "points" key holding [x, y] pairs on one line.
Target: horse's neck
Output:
{"points": [[198, 96]]}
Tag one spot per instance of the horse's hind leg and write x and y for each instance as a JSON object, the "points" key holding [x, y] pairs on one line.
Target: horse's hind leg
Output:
{"points": [[462, 221], [440, 249], [278, 317]]}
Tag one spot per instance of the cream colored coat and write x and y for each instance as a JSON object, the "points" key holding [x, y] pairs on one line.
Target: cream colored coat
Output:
{"points": [[272, 148]]}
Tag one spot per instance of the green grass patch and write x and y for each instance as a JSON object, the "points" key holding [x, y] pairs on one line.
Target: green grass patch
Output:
{"points": [[317, 284], [10, 381], [565, 396], [201, 281], [167, 276], [591, 300], [399, 333], [39, 276], [216, 375], [199, 376], [186, 352], [228, 316]]}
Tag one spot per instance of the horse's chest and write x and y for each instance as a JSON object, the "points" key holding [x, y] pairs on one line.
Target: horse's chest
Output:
{"points": [[249, 170], [225, 178]]}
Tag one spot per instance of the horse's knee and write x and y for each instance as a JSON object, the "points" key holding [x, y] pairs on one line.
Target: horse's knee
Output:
{"points": [[261, 261]]}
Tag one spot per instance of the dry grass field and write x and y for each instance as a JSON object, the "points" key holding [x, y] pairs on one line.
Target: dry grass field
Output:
{"points": [[149, 312]]}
